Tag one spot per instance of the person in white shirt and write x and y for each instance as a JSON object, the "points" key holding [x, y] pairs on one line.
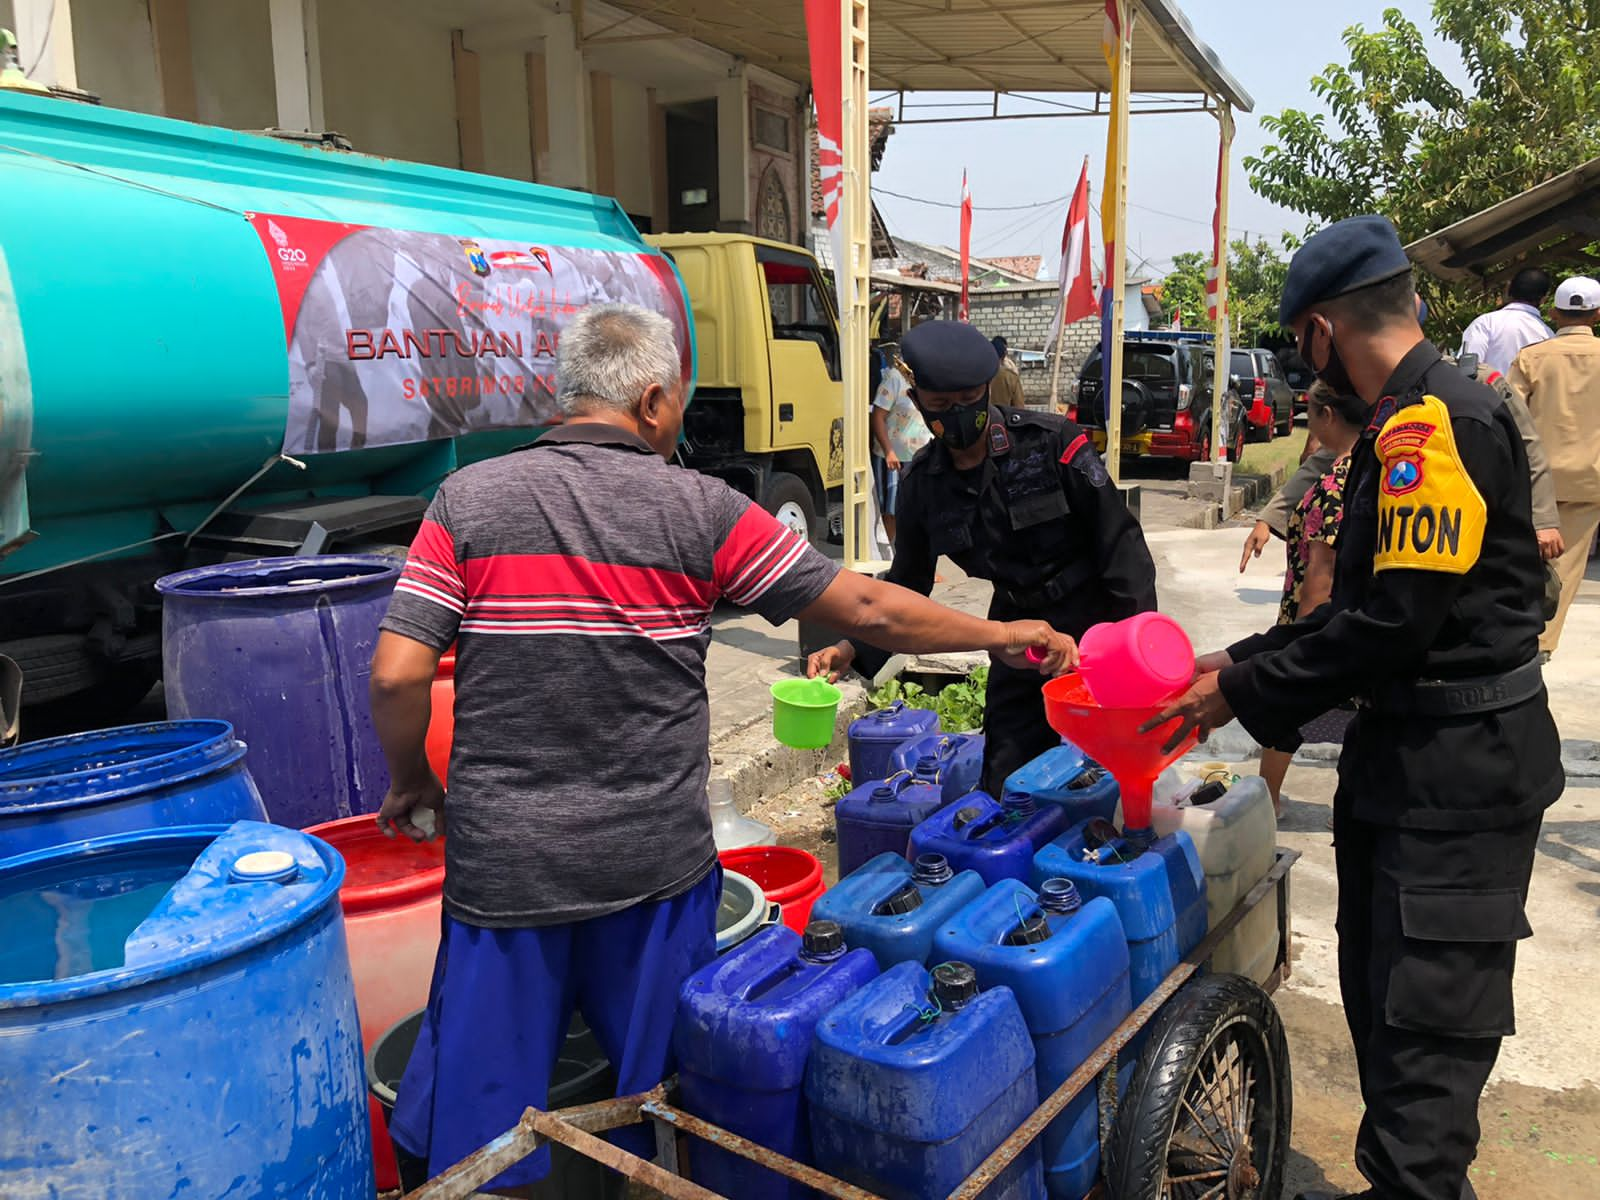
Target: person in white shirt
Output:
{"points": [[1497, 337]]}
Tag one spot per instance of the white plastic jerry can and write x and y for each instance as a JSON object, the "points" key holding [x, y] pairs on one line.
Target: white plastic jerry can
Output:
{"points": [[1236, 837]]}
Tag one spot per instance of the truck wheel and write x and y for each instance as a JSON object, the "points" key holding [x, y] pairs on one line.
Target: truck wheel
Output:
{"points": [[1208, 1112], [787, 498]]}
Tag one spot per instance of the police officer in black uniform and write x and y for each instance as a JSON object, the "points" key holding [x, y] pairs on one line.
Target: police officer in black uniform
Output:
{"points": [[1432, 629], [1016, 497]]}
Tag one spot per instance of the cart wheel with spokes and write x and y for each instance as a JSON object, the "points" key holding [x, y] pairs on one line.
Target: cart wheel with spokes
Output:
{"points": [[1208, 1114]]}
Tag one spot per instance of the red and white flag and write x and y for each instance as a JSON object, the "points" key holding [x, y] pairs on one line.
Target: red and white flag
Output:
{"points": [[1077, 275], [966, 243], [823, 34], [1219, 240]]}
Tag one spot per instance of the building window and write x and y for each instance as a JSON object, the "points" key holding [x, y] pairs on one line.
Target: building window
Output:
{"points": [[771, 130]]}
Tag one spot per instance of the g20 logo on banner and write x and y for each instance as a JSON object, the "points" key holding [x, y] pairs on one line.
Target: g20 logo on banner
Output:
{"points": [[290, 256]]}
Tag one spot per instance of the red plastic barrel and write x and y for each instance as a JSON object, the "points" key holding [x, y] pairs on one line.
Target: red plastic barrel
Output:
{"points": [[442, 722], [391, 898], [787, 875]]}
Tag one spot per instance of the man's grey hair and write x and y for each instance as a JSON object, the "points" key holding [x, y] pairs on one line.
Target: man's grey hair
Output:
{"points": [[610, 354]]}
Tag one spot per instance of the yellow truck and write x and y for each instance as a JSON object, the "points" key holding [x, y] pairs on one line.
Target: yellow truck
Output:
{"points": [[768, 411]]}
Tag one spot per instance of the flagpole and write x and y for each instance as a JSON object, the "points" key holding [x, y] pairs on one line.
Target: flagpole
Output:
{"points": [[1117, 268]]}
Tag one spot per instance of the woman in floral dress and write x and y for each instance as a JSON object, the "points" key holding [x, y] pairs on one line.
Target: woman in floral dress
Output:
{"points": [[1335, 421]]}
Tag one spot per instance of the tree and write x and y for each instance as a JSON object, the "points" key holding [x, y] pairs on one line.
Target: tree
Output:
{"points": [[1410, 144], [1255, 280]]}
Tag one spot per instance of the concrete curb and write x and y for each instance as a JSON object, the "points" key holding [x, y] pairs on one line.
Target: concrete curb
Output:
{"points": [[756, 765]]}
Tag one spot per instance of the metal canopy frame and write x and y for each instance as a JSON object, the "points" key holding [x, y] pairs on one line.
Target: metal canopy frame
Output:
{"points": [[1005, 48]]}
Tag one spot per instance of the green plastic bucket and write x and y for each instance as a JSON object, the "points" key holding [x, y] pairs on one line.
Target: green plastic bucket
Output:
{"points": [[803, 712]]}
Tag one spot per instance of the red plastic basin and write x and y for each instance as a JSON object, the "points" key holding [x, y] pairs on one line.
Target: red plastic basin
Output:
{"points": [[391, 900], [787, 875]]}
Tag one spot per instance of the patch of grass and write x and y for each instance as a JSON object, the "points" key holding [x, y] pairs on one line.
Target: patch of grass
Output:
{"points": [[1262, 458]]}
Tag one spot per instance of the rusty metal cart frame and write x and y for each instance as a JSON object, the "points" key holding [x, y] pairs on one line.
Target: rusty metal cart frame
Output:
{"points": [[576, 1128]]}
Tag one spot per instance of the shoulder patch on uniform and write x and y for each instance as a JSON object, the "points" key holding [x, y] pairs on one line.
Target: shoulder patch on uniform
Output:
{"points": [[1431, 516], [1082, 456]]}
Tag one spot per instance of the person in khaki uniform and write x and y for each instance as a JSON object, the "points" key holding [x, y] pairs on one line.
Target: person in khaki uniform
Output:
{"points": [[1006, 386], [1559, 380]]}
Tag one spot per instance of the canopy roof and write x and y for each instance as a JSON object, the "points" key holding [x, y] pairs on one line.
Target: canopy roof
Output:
{"points": [[958, 45], [1557, 221]]}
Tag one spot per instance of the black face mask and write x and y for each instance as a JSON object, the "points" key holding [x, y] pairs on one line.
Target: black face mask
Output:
{"points": [[1334, 373], [960, 425]]}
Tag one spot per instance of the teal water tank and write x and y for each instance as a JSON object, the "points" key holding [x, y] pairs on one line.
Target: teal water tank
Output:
{"points": [[180, 305]]}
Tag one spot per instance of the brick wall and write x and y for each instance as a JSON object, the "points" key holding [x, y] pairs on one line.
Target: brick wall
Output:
{"points": [[1022, 316]]}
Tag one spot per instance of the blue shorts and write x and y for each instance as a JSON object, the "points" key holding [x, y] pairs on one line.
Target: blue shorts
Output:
{"points": [[498, 1013], [888, 485]]}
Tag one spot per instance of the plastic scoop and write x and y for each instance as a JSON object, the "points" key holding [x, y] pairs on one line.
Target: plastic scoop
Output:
{"points": [[803, 712], [1142, 660], [1111, 737]]}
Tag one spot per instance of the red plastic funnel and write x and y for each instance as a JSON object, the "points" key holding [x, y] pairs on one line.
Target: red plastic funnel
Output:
{"points": [[1111, 737]]}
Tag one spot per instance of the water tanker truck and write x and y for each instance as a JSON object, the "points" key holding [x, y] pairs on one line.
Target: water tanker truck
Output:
{"points": [[219, 345]]}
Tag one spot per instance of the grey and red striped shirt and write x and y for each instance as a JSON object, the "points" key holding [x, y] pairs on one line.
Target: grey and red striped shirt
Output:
{"points": [[577, 578]]}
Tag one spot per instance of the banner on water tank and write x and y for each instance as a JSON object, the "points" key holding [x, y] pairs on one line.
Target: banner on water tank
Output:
{"points": [[396, 336]]}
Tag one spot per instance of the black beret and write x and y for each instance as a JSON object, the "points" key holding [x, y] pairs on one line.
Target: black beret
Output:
{"points": [[1350, 254], [948, 356]]}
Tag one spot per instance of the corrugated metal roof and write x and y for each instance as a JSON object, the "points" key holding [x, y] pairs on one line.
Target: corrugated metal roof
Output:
{"points": [[963, 45], [1557, 220]]}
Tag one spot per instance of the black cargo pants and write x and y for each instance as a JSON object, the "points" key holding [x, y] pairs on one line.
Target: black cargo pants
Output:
{"points": [[1014, 729], [1428, 928]]}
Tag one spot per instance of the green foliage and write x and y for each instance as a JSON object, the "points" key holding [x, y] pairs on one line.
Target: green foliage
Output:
{"points": [[836, 789], [1408, 143], [1255, 279], [959, 705]]}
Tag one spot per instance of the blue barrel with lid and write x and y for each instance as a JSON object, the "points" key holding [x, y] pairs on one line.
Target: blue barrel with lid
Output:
{"points": [[995, 838], [1159, 890], [282, 648], [893, 908], [742, 1036], [179, 1019], [1066, 962], [916, 1079], [878, 816], [1066, 776], [123, 780], [957, 760], [874, 738]]}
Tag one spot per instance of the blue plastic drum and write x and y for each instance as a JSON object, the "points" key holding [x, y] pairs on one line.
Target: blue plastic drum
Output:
{"points": [[179, 1020], [123, 780], [282, 647]]}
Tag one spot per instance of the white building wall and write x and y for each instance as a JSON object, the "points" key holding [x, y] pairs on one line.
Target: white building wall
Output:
{"points": [[503, 82], [388, 83], [630, 120], [232, 48], [116, 53]]}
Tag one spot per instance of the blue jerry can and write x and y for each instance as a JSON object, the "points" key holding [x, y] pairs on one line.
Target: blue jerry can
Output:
{"points": [[916, 1079], [894, 908], [1159, 891], [878, 817], [1065, 775], [875, 737], [957, 760], [1067, 964], [742, 1035], [997, 839]]}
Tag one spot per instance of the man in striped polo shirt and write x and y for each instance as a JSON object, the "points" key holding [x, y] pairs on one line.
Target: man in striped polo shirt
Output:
{"points": [[577, 579]]}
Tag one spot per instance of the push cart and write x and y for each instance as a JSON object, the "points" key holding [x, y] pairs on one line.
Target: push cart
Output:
{"points": [[1205, 1117]]}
